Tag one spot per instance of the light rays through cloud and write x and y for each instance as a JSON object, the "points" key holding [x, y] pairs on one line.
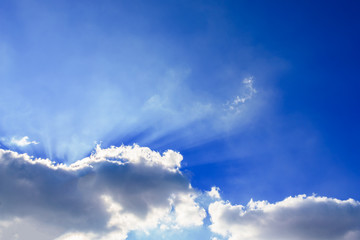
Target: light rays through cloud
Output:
{"points": [[132, 119], [124, 85], [106, 111]]}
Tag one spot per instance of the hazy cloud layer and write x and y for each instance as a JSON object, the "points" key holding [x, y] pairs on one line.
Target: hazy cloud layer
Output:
{"points": [[295, 218], [108, 194]]}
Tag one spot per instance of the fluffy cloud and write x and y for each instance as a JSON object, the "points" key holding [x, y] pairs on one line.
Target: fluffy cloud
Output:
{"points": [[106, 195], [214, 193], [295, 218], [131, 188]]}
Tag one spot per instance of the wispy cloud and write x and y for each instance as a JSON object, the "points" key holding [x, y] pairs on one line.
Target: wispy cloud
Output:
{"points": [[248, 93], [21, 142]]}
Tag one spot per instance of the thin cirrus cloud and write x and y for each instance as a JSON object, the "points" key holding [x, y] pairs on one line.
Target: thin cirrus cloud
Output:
{"points": [[248, 93]]}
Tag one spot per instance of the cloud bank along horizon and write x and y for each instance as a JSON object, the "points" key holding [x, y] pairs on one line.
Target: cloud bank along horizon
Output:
{"points": [[117, 191]]}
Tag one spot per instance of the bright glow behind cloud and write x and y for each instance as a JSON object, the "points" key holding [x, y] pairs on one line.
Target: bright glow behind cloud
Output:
{"points": [[111, 111]]}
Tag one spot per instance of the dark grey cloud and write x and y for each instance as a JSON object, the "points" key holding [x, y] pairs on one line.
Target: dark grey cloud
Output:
{"points": [[71, 198], [129, 188]]}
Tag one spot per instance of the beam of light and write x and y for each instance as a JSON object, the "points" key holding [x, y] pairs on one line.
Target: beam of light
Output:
{"points": [[70, 88]]}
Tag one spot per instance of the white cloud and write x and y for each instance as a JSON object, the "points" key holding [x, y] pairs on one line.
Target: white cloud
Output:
{"points": [[132, 154], [130, 188], [77, 236], [248, 93], [294, 218], [104, 196], [214, 193], [22, 142], [187, 211]]}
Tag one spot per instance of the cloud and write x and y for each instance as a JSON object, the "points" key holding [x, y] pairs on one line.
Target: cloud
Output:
{"points": [[22, 142], [76, 236], [248, 93], [118, 190], [188, 212], [103, 196], [294, 218], [214, 193]]}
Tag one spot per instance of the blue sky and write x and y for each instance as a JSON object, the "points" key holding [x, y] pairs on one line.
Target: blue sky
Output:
{"points": [[260, 98]]}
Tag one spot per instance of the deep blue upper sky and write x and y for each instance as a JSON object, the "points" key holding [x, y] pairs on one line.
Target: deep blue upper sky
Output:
{"points": [[73, 73], [316, 129]]}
